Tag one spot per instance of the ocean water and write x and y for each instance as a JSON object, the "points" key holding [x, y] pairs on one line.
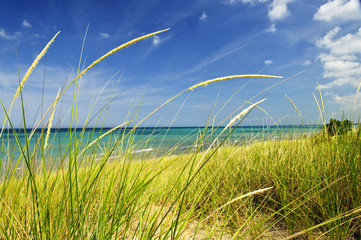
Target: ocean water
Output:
{"points": [[143, 141]]}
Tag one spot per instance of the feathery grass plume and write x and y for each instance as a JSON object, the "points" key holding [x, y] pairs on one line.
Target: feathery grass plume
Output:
{"points": [[245, 195], [51, 121], [244, 112], [205, 83], [103, 135], [27, 74], [119, 48]]}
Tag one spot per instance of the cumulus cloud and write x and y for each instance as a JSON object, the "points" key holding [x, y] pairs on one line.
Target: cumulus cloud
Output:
{"points": [[26, 23], [348, 44], [340, 10], [104, 35], [156, 40], [253, 1], [268, 62], [342, 61], [350, 101], [203, 17], [272, 28], [246, 1], [278, 9], [5, 35]]}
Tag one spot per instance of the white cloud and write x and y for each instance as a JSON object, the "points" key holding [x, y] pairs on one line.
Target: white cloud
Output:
{"points": [[252, 2], [203, 17], [340, 66], [278, 9], [343, 60], [324, 57], [341, 10], [348, 44], [156, 40], [272, 28], [26, 23], [348, 101], [104, 35], [307, 63], [268, 62], [5, 35]]}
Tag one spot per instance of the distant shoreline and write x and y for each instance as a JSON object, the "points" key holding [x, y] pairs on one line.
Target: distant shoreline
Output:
{"points": [[62, 129]]}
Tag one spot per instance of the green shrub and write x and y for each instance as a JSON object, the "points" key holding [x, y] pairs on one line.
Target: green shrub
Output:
{"points": [[336, 127]]}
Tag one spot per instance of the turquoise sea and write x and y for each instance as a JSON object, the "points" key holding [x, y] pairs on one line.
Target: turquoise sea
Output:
{"points": [[152, 141]]}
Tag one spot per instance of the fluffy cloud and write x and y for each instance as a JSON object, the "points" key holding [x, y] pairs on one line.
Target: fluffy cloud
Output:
{"points": [[324, 57], [104, 35], [268, 62], [26, 23], [203, 17], [341, 10], [350, 101], [343, 61], [341, 66], [156, 40], [348, 44], [246, 1], [253, 1], [272, 28], [5, 35], [278, 9]]}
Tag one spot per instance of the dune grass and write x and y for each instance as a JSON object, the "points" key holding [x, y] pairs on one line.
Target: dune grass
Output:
{"points": [[313, 181], [306, 187]]}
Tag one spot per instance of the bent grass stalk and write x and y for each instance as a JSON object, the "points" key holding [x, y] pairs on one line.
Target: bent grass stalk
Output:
{"points": [[298, 112], [103, 135], [245, 195], [239, 116], [205, 83]]}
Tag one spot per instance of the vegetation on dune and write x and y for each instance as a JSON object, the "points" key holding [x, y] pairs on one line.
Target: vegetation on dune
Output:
{"points": [[311, 184], [336, 127], [308, 187]]}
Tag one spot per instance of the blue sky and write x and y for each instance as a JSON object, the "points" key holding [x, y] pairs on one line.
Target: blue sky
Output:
{"points": [[310, 42]]}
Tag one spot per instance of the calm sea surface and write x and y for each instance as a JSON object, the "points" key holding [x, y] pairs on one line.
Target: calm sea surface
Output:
{"points": [[153, 141]]}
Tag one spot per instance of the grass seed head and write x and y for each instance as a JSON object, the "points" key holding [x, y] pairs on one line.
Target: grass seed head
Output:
{"points": [[119, 48], [205, 83], [244, 112]]}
